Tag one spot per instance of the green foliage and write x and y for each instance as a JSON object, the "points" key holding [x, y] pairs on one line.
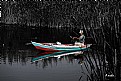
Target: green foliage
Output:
{"points": [[59, 13]]}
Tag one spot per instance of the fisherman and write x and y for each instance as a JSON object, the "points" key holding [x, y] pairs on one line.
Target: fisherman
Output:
{"points": [[81, 39]]}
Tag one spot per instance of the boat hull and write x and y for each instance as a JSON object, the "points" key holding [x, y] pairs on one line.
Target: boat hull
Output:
{"points": [[57, 48]]}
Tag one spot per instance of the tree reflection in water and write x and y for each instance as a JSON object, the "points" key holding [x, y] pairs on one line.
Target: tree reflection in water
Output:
{"points": [[15, 56]]}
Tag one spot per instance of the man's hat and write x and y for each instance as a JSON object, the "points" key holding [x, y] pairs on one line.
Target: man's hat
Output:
{"points": [[81, 31]]}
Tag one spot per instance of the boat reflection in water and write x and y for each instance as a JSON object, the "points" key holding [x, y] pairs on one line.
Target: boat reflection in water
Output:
{"points": [[49, 57]]}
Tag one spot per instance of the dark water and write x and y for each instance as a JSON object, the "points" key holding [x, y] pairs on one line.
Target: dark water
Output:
{"points": [[18, 67], [16, 54]]}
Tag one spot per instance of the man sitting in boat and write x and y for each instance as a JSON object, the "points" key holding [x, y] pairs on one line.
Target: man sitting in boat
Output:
{"points": [[81, 39]]}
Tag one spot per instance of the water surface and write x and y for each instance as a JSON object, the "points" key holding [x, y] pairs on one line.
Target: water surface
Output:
{"points": [[16, 56]]}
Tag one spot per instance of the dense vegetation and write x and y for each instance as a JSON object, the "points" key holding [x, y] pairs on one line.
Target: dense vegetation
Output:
{"points": [[61, 13]]}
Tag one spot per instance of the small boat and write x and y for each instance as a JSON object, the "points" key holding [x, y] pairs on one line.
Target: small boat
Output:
{"points": [[58, 47]]}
